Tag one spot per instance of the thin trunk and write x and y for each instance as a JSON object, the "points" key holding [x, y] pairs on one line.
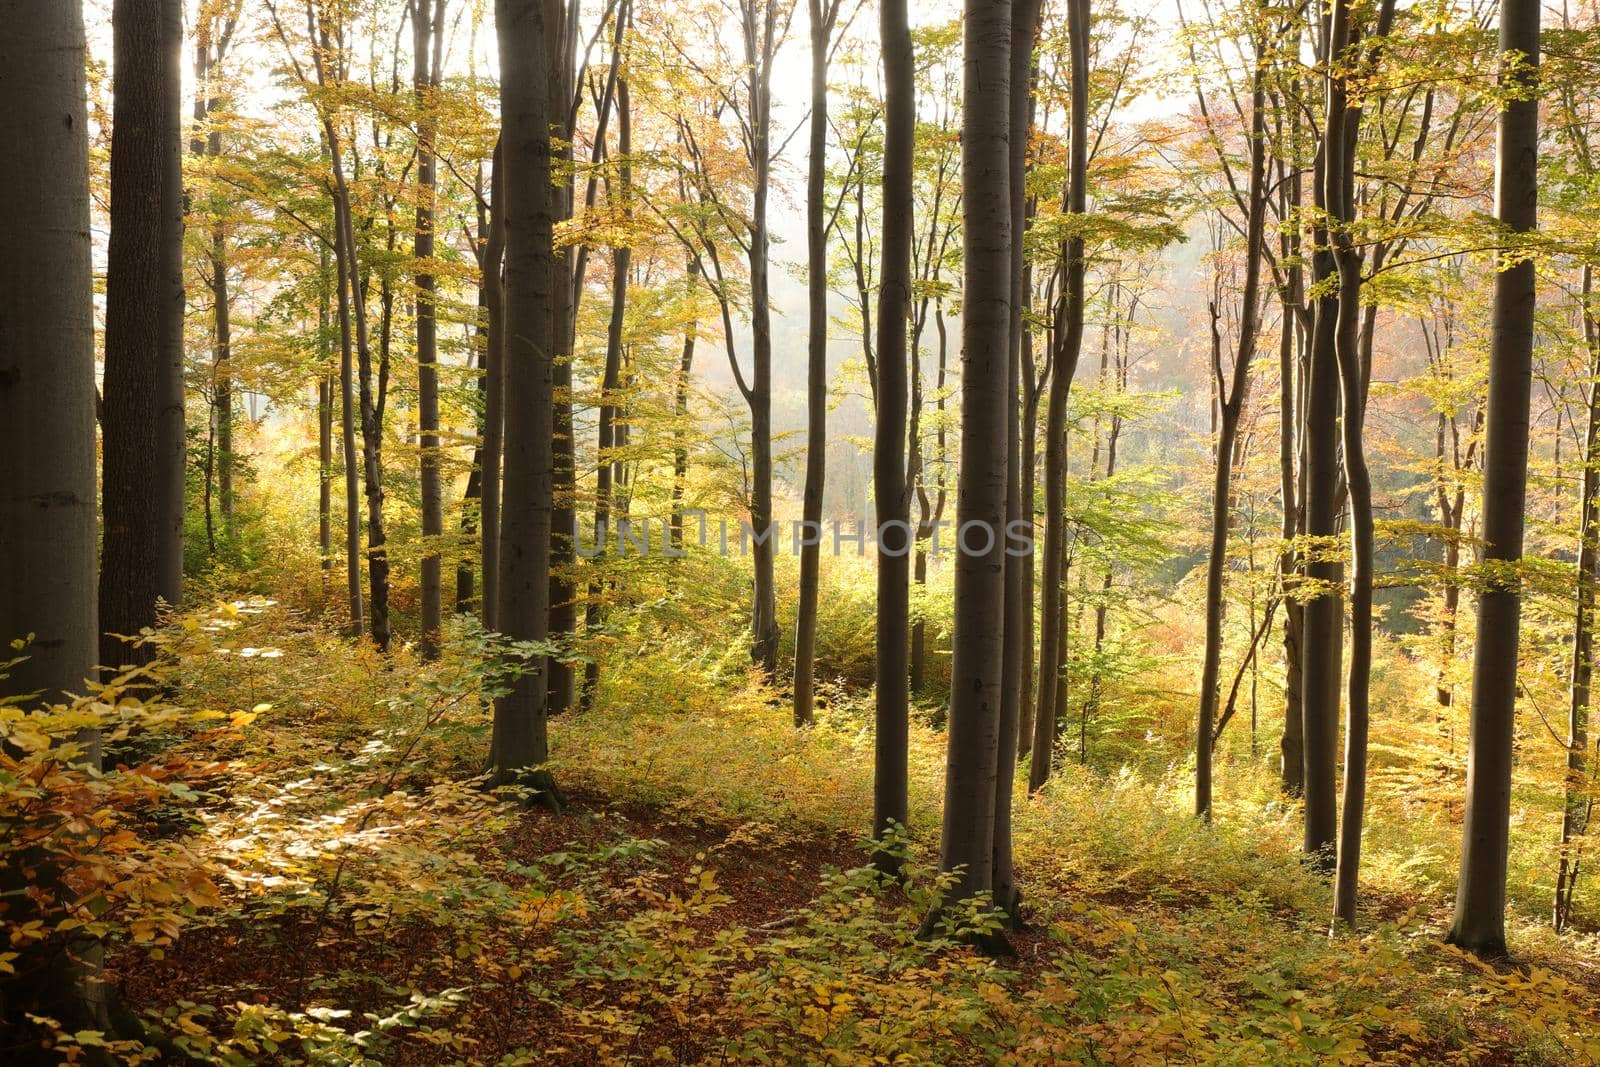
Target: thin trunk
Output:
{"points": [[1232, 394], [142, 417], [891, 491], [607, 464], [1479, 924], [325, 387], [494, 405], [1344, 122], [1575, 806], [823, 13], [1322, 618], [1018, 603], [562, 18], [427, 22], [1069, 340]]}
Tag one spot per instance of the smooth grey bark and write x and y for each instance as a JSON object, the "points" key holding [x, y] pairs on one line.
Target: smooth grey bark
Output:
{"points": [[47, 426], [427, 22], [1479, 923], [520, 743], [891, 488], [142, 419], [967, 838], [1069, 344]]}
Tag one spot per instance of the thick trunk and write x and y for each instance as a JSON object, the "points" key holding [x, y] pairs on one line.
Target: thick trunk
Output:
{"points": [[47, 432], [1479, 923], [427, 21], [520, 742], [1069, 341], [967, 838], [891, 491], [142, 417]]}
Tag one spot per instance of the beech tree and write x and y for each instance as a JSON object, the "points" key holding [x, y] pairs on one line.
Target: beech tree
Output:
{"points": [[529, 38], [1479, 923], [427, 23], [142, 411], [891, 490], [47, 425], [966, 846]]}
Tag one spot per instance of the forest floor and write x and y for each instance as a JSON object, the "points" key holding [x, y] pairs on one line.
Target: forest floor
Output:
{"points": [[703, 899]]}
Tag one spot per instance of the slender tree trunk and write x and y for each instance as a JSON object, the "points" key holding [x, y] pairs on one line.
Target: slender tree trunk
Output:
{"points": [[761, 42], [1069, 340], [562, 18], [891, 491], [1479, 924], [1344, 119], [494, 301], [325, 387], [822, 14], [607, 464], [1575, 807], [520, 744], [1028, 460], [1018, 599], [427, 21], [1322, 618], [680, 433], [967, 838], [142, 417], [1292, 745], [1232, 395], [47, 432]]}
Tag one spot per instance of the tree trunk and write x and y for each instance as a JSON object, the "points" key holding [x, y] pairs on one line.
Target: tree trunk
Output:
{"points": [[1344, 122], [562, 19], [891, 493], [1575, 807], [967, 838], [325, 386], [822, 14], [607, 463], [494, 405], [761, 47], [142, 416], [1479, 924], [1292, 745], [520, 742], [47, 425], [1069, 341], [427, 22], [1232, 395], [1322, 618], [1018, 599]]}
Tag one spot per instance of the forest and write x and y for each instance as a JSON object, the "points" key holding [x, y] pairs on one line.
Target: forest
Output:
{"points": [[799, 532]]}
